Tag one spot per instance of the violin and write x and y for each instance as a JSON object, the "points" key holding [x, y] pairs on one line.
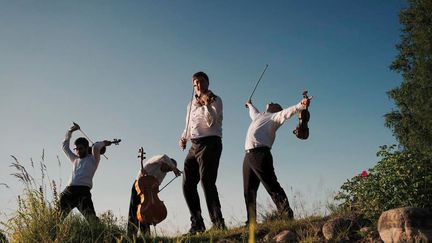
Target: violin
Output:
{"points": [[115, 141], [151, 209], [207, 97], [102, 151], [302, 129]]}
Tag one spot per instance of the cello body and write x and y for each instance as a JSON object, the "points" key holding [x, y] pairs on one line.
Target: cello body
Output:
{"points": [[151, 209]]}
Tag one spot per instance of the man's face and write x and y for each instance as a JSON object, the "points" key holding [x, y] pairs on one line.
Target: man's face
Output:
{"points": [[200, 85], [81, 150]]}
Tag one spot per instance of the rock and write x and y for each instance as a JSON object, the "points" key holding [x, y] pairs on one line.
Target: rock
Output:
{"points": [[406, 225], [344, 227], [267, 238], [285, 236], [333, 228]]}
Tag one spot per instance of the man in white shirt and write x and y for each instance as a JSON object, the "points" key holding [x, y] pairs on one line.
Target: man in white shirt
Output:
{"points": [[157, 166], [204, 129], [84, 165], [258, 161]]}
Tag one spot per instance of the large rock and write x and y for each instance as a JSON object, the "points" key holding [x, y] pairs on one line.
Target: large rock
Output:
{"points": [[333, 228], [285, 236], [406, 225], [344, 227]]}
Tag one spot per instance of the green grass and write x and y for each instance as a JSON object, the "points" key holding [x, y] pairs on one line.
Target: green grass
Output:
{"points": [[37, 219]]}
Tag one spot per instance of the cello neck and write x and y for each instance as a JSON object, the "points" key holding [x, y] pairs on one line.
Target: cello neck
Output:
{"points": [[142, 157]]}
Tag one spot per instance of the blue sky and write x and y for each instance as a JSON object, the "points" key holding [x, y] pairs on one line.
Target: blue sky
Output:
{"points": [[122, 69]]}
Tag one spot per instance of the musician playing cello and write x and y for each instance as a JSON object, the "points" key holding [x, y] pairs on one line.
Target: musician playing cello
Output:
{"points": [[157, 166]]}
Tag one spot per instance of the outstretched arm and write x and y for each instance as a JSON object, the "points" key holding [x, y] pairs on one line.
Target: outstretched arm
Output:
{"points": [[97, 148], [287, 113]]}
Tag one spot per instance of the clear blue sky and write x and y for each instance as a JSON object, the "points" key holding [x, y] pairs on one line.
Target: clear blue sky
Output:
{"points": [[122, 69]]}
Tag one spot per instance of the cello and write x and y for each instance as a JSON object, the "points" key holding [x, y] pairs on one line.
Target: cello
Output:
{"points": [[151, 209]]}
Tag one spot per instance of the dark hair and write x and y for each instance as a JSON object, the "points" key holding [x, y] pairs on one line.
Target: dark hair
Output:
{"points": [[201, 74], [175, 162], [275, 107], [82, 141]]}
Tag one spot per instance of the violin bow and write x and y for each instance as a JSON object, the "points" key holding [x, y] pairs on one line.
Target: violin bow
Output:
{"points": [[167, 183], [256, 85], [85, 135], [190, 108]]}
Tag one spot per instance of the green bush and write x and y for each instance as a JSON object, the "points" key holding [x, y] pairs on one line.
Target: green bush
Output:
{"points": [[399, 179]]}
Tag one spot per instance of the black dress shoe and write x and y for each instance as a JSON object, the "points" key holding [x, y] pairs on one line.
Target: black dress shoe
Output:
{"points": [[196, 229]]}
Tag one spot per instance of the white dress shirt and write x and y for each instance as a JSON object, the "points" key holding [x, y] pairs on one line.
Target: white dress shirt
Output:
{"points": [[83, 169], [204, 120], [153, 167], [262, 130]]}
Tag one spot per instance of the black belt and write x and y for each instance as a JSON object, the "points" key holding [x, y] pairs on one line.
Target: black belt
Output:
{"points": [[204, 139], [259, 149]]}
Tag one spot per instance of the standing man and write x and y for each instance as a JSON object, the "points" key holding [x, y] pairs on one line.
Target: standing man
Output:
{"points": [[258, 161], [84, 165], [204, 129], [157, 166]]}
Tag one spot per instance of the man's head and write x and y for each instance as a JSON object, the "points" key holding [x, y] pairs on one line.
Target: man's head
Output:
{"points": [[167, 168], [200, 82], [273, 107], [81, 147]]}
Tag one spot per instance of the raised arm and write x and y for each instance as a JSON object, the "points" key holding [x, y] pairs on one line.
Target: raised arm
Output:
{"points": [[66, 143], [253, 111]]}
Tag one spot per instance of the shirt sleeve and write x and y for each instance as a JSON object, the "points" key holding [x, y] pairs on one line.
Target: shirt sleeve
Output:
{"points": [[167, 160], [66, 147], [253, 111], [185, 133], [283, 115], [213, 112], [96, 150]]}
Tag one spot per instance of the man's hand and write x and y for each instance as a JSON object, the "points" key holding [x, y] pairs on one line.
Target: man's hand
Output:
{"points": [[177, 172], [74, 127], [182, 143], [305, 102], [249, 102]]}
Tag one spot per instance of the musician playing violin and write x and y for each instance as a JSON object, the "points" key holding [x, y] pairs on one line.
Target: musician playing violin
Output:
{"points": [[204, 130], [157, 166], [84, 165], [258, 161]]}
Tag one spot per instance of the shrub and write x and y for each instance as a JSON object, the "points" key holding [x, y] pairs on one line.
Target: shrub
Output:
{"points": [[399, 179]]}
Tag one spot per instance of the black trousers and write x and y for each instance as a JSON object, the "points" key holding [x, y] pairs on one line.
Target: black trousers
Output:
{"points": [[133, 223], [258, 168], [201, 164], [79, 197]]}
